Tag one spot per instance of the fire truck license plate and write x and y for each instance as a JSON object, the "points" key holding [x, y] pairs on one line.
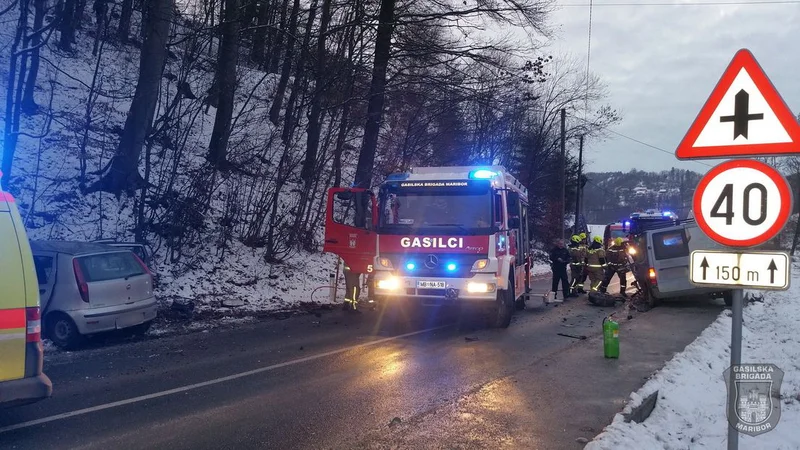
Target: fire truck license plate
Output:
{"points": [[431, 284]]}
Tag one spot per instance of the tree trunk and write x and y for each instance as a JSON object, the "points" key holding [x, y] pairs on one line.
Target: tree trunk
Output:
{"points": [[28, 101], [125, 21], [377, 94], [286, 70], [314, 126], [80, 7], [277, 41], [123, 173], [299, 76], [226, 87], [66, 26], [11, 126], [260, 35]]}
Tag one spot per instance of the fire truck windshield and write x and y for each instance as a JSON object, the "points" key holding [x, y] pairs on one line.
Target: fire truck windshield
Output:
{"points": [[436, 211]]}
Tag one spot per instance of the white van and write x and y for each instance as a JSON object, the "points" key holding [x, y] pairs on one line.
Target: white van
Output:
{"points": [[663, 269]]}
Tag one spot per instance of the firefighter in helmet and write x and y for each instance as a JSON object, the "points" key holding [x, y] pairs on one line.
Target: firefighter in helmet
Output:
{"points": [[596, 262], [584, 245], [577, 253], [617, 264]]}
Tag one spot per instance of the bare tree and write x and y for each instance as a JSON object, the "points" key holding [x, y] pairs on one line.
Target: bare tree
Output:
{"points": [[124, 27], [122, 173], [383, 47], [225, 80]]}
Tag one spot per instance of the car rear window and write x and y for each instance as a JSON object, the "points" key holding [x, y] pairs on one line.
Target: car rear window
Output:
{"points": [[110, 266], [44, 268], [670, 244]]}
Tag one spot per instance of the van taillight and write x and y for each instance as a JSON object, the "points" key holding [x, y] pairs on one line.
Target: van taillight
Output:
{"points": [[34, 331], [83, 288], [652, 275]]}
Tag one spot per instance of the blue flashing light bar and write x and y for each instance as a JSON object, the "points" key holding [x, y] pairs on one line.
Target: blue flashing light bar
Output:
{"points": [[666, 213], [451, 267], [482, 174], [627, 223], [411, 266]]}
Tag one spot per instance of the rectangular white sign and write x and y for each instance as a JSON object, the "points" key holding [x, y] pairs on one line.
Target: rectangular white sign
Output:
{"points": [[759, 270]]}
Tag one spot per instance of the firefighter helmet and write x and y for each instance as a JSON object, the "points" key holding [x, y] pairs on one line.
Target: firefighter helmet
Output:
{"points": [[598, 239], [576, 238], [618, 241], [583, 236]]}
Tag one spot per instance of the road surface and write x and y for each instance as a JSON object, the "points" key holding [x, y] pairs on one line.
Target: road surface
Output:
{"points": [[344, 381]]}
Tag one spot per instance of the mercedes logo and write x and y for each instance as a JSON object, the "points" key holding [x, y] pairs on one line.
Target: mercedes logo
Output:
{"points": [[431, 261]]}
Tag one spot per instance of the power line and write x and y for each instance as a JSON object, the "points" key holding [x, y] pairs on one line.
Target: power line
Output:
{"points": [[715, 3], [642, 142]]}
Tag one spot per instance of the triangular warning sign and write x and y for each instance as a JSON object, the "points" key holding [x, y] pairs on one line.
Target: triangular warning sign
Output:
{"points": [[744, 116]]}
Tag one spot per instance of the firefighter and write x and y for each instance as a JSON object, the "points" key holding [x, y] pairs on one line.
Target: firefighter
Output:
{"points": [[352, 289], [596, 263], [617, 264], [585, 248], [577, 253], [559, 258]]}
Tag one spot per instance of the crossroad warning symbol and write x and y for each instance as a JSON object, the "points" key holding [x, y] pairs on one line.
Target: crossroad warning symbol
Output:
{"points": [[744, 116]]}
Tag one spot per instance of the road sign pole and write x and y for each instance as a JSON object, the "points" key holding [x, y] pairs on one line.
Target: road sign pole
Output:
{"points": [[736, 358]]}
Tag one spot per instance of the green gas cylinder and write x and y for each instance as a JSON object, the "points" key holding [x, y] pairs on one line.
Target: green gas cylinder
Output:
{"points": [[610, 338]]}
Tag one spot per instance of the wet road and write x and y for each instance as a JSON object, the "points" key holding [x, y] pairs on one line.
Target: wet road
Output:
{"points": [[391, 380]]}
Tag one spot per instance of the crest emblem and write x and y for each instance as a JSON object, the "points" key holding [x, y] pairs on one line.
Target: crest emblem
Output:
{"points": [[754, 405]]}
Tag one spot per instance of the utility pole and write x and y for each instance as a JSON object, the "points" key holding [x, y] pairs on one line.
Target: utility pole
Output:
{"points": [[578, 187], [563, 170]]}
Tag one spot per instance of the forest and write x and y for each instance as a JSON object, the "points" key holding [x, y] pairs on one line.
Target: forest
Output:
{"points": [[211, 130]]}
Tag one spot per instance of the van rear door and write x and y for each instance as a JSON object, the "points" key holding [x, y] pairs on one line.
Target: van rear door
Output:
{"points": [[671, 259], [113, 278], [13, 319]]}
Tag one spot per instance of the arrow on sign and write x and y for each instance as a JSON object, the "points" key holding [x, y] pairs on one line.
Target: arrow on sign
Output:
{"points": [[704, 265], [772, 268]]}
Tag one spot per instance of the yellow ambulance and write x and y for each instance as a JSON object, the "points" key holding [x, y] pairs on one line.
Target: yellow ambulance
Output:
{"points": [[21, 377]]}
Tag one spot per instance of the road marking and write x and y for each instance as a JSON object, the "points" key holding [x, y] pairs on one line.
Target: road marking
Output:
{"points": [[190, 387]]}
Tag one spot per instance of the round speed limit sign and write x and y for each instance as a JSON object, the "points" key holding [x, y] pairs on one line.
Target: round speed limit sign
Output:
{"points": [[742, 203]]}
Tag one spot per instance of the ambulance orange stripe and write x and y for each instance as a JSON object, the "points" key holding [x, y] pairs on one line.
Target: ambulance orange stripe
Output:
{"points": [[7, 197], [12, 318]]}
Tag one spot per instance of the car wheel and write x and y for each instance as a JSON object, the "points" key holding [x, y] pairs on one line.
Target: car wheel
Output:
{"points": [[63, 332], [504, 309]]}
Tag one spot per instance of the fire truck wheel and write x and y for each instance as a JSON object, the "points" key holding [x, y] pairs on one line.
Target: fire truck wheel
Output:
{"points": [[504, 309]]}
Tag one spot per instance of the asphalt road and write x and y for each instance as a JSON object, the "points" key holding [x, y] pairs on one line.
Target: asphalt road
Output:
{"points": [[358, 381]]}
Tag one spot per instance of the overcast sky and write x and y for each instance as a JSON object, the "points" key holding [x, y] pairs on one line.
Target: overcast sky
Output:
{"points": [[660, 64]]}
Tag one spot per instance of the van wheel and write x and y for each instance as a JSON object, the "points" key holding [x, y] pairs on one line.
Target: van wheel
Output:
{"points": [[504, 309], [63, 332]]}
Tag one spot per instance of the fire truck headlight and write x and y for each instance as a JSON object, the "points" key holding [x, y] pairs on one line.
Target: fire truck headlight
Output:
{"points": [[477, 288], [632, 251], [385, 262], [389, 284], [480, 264]]}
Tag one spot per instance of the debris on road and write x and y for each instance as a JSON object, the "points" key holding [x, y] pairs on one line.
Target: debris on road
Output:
{"points": [[395, 421], [572, 336]]}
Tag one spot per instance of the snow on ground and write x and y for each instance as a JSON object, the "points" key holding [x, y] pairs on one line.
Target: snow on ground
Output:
{"points": [[690, 412]]}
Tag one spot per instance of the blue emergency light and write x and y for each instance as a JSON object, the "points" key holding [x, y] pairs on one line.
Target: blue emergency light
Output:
{"points": [[482, 174], [451, 267], [666, 214], [411, 266]]}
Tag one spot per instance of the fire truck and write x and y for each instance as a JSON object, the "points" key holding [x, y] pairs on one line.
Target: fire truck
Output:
{"points": [[438, 236]]}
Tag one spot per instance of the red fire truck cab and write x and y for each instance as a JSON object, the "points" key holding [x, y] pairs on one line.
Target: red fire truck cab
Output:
{"points": [[438, 235]]}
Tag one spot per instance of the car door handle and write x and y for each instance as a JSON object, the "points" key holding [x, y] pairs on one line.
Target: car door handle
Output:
{"points": [[331, 241]]}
